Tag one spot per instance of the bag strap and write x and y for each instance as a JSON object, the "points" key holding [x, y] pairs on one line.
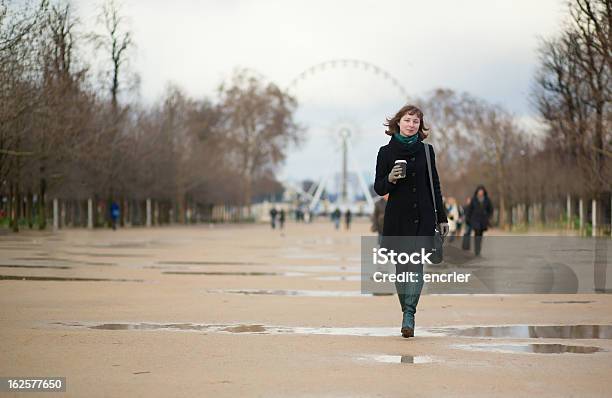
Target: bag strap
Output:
{"points": [[433, 194]]}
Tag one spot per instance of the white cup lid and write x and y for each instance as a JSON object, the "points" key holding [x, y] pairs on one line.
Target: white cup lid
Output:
{"points": [[400, 161]]}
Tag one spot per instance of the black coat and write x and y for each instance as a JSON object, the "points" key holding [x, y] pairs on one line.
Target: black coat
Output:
{"points": [[478, 214], [409, 210]]}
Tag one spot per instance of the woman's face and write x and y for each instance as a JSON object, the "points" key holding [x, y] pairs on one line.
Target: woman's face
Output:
{"points": [[409, 124]]}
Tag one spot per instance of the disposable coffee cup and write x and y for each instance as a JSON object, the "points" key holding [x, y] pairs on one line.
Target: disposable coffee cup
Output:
{"points": [[402, 163]]}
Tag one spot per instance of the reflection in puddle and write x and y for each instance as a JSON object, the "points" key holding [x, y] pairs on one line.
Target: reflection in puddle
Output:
{"points": [[526, 331], [17, 247], [35, 266], [98, 263], [234, 273], [306, 293], [353, 278], [323, 330], [63, 260], [59, 278], [208, 263], [91, 254], [325, 268], [533, 348], [397, 358], [245, 329], [238, 328], [121, 245]]}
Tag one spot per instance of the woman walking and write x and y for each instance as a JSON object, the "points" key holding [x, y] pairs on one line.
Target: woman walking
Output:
{"points": [[410, 211], [477, 215]]}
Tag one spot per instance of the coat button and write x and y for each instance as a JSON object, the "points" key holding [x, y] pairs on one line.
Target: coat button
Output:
{"points": [[413, 189], [413, 174], [416, 221], [412, 158], [414, 205]]}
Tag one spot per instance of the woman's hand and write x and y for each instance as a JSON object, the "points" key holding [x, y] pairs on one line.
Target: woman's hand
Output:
{"points": [[395, 174]]}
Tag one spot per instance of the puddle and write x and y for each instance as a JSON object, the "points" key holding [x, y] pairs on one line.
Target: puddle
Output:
{"points": [[355, 278], [304, 293], [59, 278], [529, 332], [323, 330], [35, 266], [234, 273], [208, 263], [120, 245], [110, 255], [414, 359], [17, 247], [245, 329], [568, 302], [325, 268], [533, 348], [98, 263], [64, 260], [237, 328]]}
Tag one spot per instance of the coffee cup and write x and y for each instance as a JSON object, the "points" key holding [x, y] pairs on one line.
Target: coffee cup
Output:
{"points": [[403, 164]]}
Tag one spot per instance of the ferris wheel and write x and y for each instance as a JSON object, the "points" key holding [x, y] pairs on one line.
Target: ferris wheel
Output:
{"points": [[349, 166]]}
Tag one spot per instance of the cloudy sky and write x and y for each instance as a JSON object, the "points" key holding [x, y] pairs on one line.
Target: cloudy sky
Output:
{"points": [[485, 47]]}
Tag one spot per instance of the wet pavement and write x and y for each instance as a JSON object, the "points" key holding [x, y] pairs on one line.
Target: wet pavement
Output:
{"points": [[288, 308], [530, 332], [64, 279], [498, 332], [533, 348], [303, 293]]}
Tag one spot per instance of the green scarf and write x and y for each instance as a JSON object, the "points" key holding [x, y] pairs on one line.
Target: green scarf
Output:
{"points": [[407, 140]]}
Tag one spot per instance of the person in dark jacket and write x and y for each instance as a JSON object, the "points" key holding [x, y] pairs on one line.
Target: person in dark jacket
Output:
{"points": [[477, 216], [281, 219], [273, 214], [409, 211], [347, 219], [335, 216]]}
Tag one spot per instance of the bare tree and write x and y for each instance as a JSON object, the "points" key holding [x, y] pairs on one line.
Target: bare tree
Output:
{"points": [[258, 122], [572, 92]]}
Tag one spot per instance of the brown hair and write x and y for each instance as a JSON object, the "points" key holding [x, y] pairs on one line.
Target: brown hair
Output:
{"points": [[392, 124]]}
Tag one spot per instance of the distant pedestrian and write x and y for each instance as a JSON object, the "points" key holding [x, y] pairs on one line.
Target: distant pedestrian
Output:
{"points": [[281, 219], [378, 217], [452, 213], [478, 216], [308, 216], [114, 213], [347, 219], [273, 214], [335, 216]]}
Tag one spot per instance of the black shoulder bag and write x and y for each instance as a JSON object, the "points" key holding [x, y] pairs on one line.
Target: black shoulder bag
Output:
{"points": [[438, 240]]}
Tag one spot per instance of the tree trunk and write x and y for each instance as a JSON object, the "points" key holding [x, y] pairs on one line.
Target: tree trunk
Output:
{"points": [[42, 209]]}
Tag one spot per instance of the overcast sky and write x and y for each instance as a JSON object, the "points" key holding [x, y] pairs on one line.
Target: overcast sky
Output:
{"points": [[485, 47]]}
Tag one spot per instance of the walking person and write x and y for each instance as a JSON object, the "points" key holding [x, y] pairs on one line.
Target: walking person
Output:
{"points": [[460, 220], [335, 216], [410, 210], [347, 219], [273, 214], [478, 215], [452, 213], [465, 244], [378, 217], [114, 213], [281, 219]]}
